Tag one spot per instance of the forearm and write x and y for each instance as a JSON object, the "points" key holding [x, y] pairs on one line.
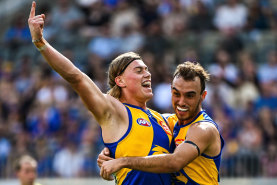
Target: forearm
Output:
{"points": [[164, 163], [58, 62]]}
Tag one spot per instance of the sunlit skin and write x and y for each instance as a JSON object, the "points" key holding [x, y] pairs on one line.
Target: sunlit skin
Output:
{"points": [[187, 98], [135, 83], [112, 116], [27, 174]]}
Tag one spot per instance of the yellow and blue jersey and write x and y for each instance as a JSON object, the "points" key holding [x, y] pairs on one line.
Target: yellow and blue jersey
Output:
{"points": [[204, 169], [147, 134]]}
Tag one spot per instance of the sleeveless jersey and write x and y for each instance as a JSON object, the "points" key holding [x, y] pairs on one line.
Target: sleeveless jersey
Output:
{"points": [[202, 170], [147, 134]]}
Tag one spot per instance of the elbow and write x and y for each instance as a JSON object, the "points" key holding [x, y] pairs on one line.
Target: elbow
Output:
{"points": [[75, 77], [175, 165]]}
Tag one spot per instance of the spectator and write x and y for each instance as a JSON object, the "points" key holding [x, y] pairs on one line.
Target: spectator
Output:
{"points": [[250, 136], [266, 98], [176, 21], [201, 20], [32, 122], [231, 17], [248, 84], [26, 170], [268, 127], [105, 45], [17, 35], [259, 16], [269, 160], [65, 20], [124, 15], [268, 71], [68, 162]]}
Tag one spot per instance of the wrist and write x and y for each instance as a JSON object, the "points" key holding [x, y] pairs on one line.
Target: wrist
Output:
{"points": [[123, 162], [40, 44]]}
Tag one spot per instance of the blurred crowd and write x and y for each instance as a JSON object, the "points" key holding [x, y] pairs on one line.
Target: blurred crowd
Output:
{"points": [[235, 40]]}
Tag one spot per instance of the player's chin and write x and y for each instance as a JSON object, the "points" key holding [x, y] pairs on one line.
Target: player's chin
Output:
{"points": [[149, 95], [147, 92], [182, 115]]}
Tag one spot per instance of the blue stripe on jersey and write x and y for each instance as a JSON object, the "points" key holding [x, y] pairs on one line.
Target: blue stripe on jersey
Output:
{"points": [[190, 181], [160, 140], [216, 159], [167, 115], [165, 120], [180, 126], [112, 146], [135, 177], [160, 137]]}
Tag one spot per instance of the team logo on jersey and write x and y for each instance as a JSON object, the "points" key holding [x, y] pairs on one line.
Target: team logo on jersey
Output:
{"points": [[178, 141], [159, 150], [165, 127], [143, 122]]}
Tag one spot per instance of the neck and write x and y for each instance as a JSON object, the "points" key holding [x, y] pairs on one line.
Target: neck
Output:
{"points": [[28, 184]]}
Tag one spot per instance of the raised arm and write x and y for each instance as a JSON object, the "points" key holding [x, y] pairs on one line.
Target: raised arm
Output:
{"points": [[202, 135], [101, 105]]}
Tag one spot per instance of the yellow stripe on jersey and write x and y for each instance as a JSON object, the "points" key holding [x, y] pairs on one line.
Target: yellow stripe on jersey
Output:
{"points": [[147, 134], [202, 170]]}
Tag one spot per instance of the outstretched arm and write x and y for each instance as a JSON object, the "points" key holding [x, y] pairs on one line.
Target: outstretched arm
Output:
{"points": [[166, 163], [82, 84]]}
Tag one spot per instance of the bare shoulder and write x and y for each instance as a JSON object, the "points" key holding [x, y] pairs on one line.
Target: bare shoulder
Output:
{"points": [[117, 107], [206, 136], [115, 125], [205, 125], [114, 101], [203, 129]]}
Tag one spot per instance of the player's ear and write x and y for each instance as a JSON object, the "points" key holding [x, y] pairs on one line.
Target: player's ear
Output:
{"points": [[119, 80], [203, 95]]}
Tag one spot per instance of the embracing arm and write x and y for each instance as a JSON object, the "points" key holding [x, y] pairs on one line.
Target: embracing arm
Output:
{"points": [[162, 163], [201, 135]]}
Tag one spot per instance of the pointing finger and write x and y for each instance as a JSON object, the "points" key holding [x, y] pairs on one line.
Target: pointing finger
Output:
{"points": [[33, 10]]}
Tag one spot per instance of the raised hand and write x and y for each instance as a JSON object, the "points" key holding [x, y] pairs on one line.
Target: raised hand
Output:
{"points": [[36, 23]]}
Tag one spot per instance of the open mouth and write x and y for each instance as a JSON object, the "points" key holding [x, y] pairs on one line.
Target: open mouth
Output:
{"points": [[146, 84], [182, 109]]}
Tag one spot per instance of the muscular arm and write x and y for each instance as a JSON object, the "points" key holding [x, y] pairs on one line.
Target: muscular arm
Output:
{"points": [[201, 134], [82, 84], [162, 163]]}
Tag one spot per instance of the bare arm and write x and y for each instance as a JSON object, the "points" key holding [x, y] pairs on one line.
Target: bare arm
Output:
{"points": [[82, 84], [162, 163], [201, 135]]}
